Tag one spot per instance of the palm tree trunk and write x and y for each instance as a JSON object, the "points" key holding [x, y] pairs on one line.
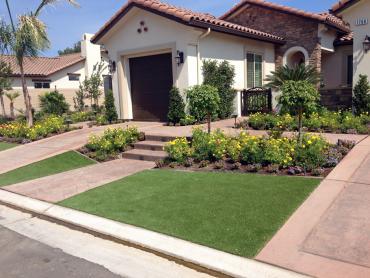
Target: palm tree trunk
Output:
{"points": [[2, 103], [27, 98], [12, 114]]}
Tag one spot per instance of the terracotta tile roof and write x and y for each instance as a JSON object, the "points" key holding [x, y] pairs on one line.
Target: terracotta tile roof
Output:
{"points": [[346, 39], [188, 17], [325, 18], [42, 66], [342, 5]]}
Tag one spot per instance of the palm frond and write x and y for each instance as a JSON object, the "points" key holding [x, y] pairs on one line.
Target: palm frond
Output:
{"points": [[12, 95], [45, 3], [298, 73], [6, 37]]}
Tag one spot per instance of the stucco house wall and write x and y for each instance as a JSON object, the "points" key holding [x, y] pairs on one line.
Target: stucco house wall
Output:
{"points": [[361, 60], [165, 35]]}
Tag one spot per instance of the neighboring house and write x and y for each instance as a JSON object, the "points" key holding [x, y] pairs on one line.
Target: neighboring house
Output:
{"points": [[154, 45], [44, 74], [357, 14]]}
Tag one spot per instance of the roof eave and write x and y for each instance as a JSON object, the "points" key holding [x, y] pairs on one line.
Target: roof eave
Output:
{"points": [[344, 7]]}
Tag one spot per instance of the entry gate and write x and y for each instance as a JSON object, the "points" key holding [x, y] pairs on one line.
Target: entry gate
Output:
{"points": [[256, 100]]}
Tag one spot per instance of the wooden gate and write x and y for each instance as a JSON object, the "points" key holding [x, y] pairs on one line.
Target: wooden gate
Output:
{"points": [[256, 100]]}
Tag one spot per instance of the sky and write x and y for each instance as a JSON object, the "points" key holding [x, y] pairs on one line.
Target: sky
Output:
{"points": [[66, 23]]}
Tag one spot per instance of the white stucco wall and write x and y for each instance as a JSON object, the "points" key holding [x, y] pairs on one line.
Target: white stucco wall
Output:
{"points": [[361, 60], [123, 42]]}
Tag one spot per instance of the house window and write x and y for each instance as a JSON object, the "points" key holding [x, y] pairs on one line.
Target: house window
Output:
{"points": [[254, 70], [349, 69], [39, 84], [73, 77]]}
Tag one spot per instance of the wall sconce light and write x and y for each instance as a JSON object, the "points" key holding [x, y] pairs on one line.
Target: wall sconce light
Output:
{"points": [[179, 58], [366, 44], [112, 66]]}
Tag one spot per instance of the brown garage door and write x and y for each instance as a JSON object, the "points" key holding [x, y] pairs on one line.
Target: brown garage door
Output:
{"points": [[151, 82]]}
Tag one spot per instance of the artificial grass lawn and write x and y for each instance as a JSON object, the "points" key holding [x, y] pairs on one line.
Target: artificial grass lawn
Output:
{"points": [[4, 146], [236, 213], [50, 166]]}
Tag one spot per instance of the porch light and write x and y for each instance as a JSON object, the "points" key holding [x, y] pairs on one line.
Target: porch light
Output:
{"points": [[367, 44], [112, 66], [179, 58]]}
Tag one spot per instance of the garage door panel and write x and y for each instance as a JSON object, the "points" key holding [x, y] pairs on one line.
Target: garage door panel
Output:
{"points": [[151, 82]]}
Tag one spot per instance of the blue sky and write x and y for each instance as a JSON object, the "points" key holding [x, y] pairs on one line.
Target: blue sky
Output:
{"points": [[66, 24]]}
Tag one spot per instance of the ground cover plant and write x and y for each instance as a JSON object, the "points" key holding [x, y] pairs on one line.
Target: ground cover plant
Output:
{"points": [[236, 213], [19, 131], [264, 154], [111, 143], [5, 145], [50, 166], [321, 121]]}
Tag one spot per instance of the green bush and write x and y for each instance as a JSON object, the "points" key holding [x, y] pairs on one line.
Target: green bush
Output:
{"points": [[361, 99], [81, 116], [53, 103], [178, 150], [221, 76], [113, 141], [176, 109], [110, 109]]}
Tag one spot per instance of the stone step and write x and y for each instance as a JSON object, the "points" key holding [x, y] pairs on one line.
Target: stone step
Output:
{"points": [[150, 145], [146, 155], [160, 138]]}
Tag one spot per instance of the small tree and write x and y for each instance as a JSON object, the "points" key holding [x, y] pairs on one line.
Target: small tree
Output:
{"points": [[221, 76], [12, 97], [53, 103], [300, 97], [5, 83], [110, 108], [79, 99], [92, 85], [204, 102], [361, 99], [176, 109]]}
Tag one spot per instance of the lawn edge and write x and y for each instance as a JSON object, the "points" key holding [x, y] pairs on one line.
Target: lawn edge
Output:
{"points": [[192, 255]]}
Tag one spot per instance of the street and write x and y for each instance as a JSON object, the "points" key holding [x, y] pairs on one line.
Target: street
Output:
{"points": [[35, 248]]}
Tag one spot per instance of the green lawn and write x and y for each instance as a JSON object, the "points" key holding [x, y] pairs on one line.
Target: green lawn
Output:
{"points": [[50, 166], [4, 146], [236, 213]]}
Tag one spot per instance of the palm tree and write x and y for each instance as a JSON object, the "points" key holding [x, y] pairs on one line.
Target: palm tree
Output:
{"points": [[12, 97], [299, 72], [26, 38], [5, 83]]}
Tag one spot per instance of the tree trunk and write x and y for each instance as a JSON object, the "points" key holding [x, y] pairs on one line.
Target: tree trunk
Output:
{"points": [[12, 114], [209, 122], [27, 98], [300, 115], [2, 103]]}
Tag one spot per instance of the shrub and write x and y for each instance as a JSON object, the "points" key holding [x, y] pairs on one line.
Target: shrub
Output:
{"points": [[110, 108], [203, 102], [201, 149], [113, 141], [251, 148], [53, 103], [221, 76], [178, 150], [361, 99], [82, 116], [312, 152], [176, 109], [188, 120]]}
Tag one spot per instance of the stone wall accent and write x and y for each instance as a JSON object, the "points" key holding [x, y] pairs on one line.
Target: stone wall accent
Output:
{"points": [[337, 99], [298, 31]]}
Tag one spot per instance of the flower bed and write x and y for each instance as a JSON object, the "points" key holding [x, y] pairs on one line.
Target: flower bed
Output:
{"points": [[18, 131], [111, 144], [245, 153], [325, 121]]}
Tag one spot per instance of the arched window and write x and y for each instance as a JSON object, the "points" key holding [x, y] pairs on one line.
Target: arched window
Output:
{"points": [[296, 55]]}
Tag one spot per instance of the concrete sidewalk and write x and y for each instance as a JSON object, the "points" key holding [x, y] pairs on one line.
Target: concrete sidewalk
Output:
{"points": [[39, 150], [61, 186], [329, 235]]}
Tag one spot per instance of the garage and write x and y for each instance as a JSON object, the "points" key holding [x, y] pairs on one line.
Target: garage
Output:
{"points": [[151, 81]]}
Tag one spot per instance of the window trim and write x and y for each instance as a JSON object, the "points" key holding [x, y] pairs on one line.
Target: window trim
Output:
{"points": [[262, 68], [42, 82], [78, 75]]}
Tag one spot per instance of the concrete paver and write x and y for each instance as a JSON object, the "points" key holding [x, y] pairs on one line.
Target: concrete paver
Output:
{"points": [[67, 184]]}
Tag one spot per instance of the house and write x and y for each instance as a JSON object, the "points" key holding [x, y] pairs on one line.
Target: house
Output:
{"points": [[64, 73], [357, 14]]}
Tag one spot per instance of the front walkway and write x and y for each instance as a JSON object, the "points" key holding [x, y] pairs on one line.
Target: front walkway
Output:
{"points": [[329, 235], [61, 186], [39, 150]]}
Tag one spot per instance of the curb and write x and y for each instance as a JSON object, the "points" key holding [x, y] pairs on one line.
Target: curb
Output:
{"points": [[196, 256]]}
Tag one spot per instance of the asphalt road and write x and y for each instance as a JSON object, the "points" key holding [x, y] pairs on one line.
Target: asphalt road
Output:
{"points": [[24, 257]]}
